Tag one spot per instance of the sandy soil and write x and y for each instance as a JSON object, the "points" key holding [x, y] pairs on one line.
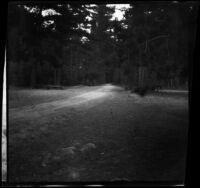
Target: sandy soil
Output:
{"points": [[100, 133]]}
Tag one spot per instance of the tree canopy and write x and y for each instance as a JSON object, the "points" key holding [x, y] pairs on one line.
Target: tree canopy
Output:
{"points": [[71, 43]]}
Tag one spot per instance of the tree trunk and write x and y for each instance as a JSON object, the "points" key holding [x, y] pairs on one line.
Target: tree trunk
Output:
{"points": [[171, 83], [76, 67], [33, 74], [71, 62], [55, 75], [58, 76], [142, 76]]}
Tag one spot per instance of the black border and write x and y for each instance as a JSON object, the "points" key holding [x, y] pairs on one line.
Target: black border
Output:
{"points": [[3, 23], [193, 96], [194, 88]]}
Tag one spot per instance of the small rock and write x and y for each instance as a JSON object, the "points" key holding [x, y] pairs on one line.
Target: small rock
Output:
{"points": [[88, 147]]}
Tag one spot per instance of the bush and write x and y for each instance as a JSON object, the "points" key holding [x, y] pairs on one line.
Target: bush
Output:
{"points": [[141, 90]]}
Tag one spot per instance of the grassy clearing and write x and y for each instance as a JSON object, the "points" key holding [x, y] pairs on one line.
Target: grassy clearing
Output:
{"points": [[135, 139], [26, 97]]}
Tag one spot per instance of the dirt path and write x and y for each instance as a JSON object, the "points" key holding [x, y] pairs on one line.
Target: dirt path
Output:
{"points": [[90, 98], [100, 135]]}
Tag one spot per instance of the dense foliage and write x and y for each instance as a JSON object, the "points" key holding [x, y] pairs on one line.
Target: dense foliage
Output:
{"points": [[50, 44]]}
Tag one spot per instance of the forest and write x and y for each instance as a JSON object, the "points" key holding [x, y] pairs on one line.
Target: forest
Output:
{"points": [[98, 97], [72, 44]]}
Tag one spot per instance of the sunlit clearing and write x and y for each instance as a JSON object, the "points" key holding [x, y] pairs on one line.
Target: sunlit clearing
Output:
{"points": [[99, 93], [109, 86], [93, 95]]}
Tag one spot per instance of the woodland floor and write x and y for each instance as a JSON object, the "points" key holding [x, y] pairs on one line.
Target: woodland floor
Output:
{"points": [[96, 133]]}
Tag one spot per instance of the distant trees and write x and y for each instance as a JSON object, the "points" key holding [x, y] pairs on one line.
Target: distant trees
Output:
{"points": [[38, 39], [101, 42], [159, 33], [50, 43]]}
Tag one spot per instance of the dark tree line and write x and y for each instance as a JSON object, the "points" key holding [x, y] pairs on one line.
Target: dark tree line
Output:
{"points": [[153, 44]]}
